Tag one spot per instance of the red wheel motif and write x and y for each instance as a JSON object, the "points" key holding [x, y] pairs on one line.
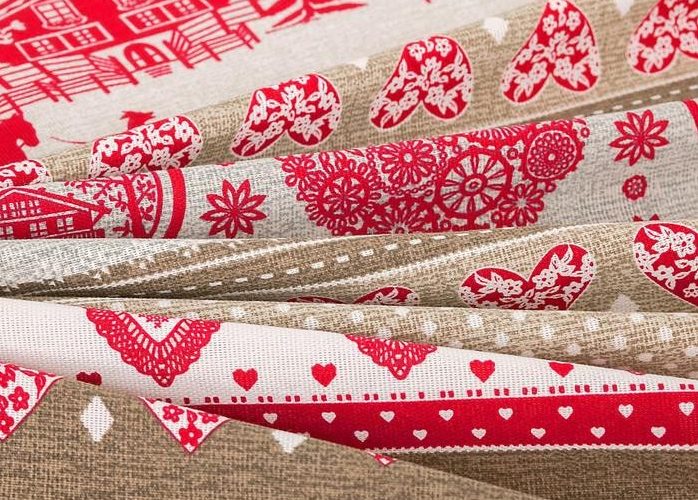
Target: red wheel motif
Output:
{"points": [[472, 183], [551, 154]]}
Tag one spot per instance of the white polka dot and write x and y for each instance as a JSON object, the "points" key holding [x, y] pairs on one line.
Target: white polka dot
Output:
{"points": [[283, 307], [429, 328], [671, 366], [384, 332], [592, 324], [645, 357], [311, 322], [237, 312], [357, 317], [192, 315], [527, 354], [599, 361], [164, 303], [574, 349], [401, 311], [619, 342], [691, 351], [665, 334], [456, 344], [692, 374], [502, 340], [474, 320], [117, 306], [637, 317], [518, 315], [547, 331]]}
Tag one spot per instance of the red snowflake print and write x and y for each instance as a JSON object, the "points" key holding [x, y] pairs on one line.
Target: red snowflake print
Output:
{"points": [[397, 356], [234, 210], [407, 162], [552, 153], [298, 168], [635, 187], [407, 215], [639, 137], [520, 206]]}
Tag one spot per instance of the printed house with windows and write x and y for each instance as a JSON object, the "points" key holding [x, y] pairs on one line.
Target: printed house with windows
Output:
{"points": [[57, 48], [34, 213]]}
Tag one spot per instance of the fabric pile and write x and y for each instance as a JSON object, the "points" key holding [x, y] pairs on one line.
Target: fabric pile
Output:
{"points": [[462, 267]]}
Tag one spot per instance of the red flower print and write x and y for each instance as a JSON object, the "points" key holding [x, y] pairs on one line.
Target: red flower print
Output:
{"points": [[155, 319], [297, 167], [635, 187], [234, 210], [520, 206], [171, 413], [6, 423], [406, 215], [639, 137], [407, 162], [19, 398], [190, 435], [7, 375], [208, 418]]}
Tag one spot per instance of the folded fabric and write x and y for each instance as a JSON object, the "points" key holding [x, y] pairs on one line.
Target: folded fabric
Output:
{"points": [[588, 268], [88, 442], [146, 60], [552, 173], [433, 405], [660, 343], [546, 59]]}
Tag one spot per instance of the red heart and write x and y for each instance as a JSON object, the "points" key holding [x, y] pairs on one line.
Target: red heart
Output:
{"points": [[482, 369], [667, 254], [178, 345], [245, 378], [563, 46], [434, 72], [559, 278], [93, 378], [307, 108], [324, 374], [561, 369], [673, 21]]}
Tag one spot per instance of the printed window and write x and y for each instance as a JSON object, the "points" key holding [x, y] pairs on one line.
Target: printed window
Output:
{"points": [[38, 229], [58, 14], [186, 7], [6, 231], [84, 37], [65, 224]]}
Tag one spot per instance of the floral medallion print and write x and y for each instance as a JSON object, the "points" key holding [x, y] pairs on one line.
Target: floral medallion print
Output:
{"points": [[480, 179], [234, 210], [384, 296], [156, 346], [23, 173], [171, 143], [666, 253], [21, 390], [635, 187], [559, 278], [435, 73], [639, 137], [669, 28], [397, 356], [187, 426], [307, 108], [562, 46]]}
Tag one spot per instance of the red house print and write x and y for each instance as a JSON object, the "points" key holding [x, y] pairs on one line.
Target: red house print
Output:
{"points": [[35, 213], [53, 49]]}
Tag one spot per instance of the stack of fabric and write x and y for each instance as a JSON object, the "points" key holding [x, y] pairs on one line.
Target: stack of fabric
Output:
{"points": [[462, 267]]}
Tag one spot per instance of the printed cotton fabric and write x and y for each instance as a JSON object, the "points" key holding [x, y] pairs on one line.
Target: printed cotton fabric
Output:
{"points": [[453, 257]]}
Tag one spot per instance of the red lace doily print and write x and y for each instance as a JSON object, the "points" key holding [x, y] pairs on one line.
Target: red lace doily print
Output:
{"points": [[397, 356]]}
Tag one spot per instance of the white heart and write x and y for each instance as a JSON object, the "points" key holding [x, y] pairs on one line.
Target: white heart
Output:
{"points": [[497, 27], [506, 413], [624, 6], [328, 416], [538, 432], [625, 410], [270, 417], [388, 415], [658, 431], [479, 433], [565, 411], [361, 435], [289, 441], [97, 419], [420, 434], [686, 408], [598, 431], [446, 414]]}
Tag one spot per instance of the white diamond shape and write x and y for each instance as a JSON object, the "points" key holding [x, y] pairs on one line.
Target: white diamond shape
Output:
{"points": [[97, 419]]}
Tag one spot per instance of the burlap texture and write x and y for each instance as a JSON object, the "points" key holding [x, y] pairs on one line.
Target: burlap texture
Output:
{"points": [[619, 83], [660, 343]]}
